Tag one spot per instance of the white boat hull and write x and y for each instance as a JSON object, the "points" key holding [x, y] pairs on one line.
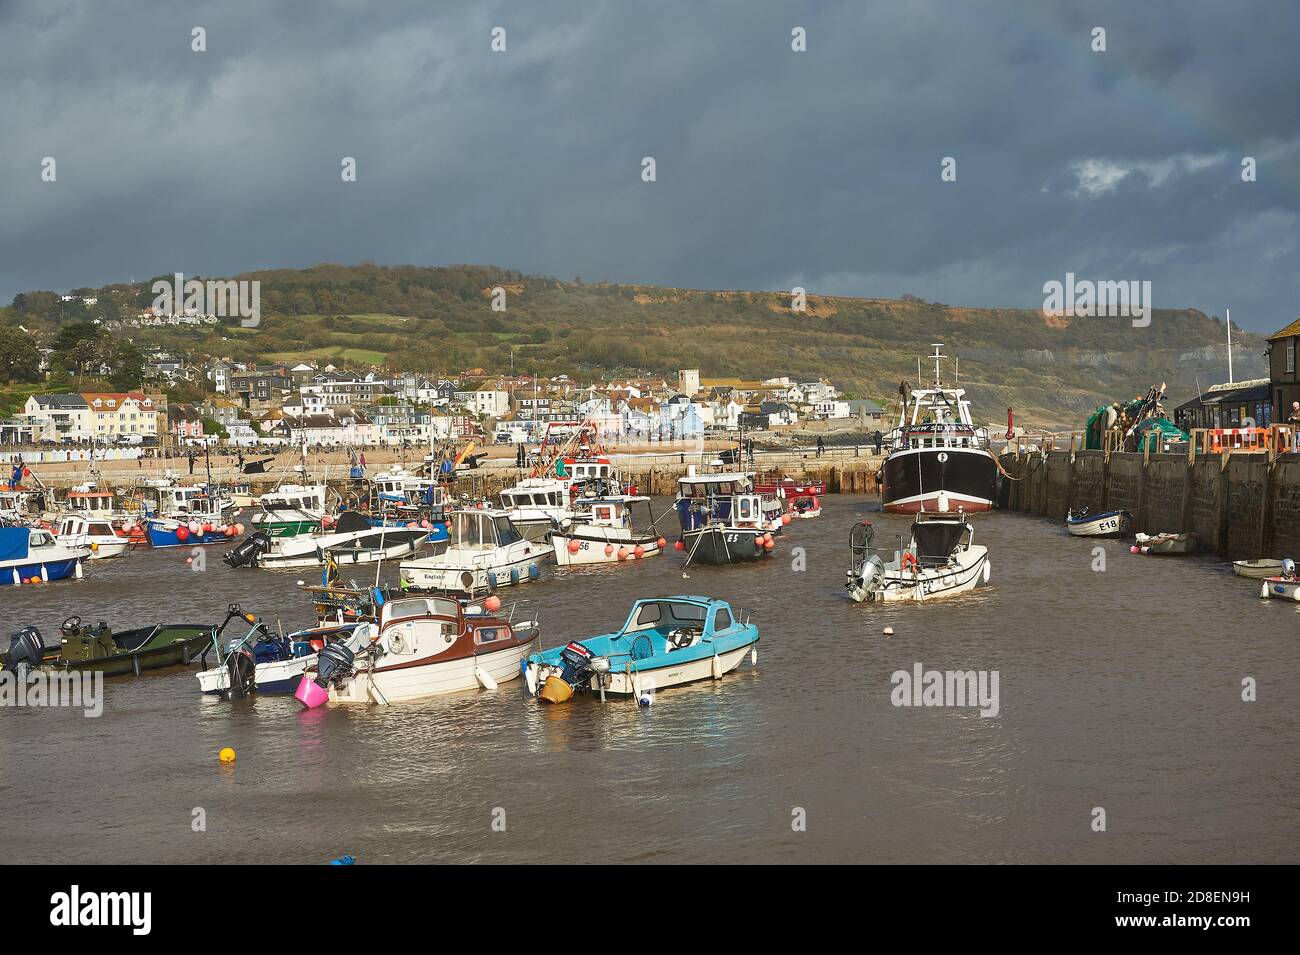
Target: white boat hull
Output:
{"points": [[1257, 569], [591, 549], [928, 584], [1113, 524], [400, 684], [456, 571], [1281, 588]]}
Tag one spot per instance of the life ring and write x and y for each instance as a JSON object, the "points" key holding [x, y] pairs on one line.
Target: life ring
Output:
{"points": [[909, 560]]}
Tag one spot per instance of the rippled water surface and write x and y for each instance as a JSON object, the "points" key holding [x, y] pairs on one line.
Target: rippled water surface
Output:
{"points": [[1120, 688]]}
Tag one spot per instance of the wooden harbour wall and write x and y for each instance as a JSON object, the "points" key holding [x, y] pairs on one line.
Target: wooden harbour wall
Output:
{"points": [[1238, 505]]}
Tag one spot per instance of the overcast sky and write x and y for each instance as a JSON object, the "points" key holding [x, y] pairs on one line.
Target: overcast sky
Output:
{"points": [[774, 168]]}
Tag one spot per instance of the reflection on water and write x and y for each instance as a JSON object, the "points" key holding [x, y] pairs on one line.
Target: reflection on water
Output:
{"points": [[1119, 689]]}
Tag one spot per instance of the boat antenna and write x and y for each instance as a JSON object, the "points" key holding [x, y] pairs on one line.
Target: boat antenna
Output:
{"points": [[1228, 313], [938, 357]]}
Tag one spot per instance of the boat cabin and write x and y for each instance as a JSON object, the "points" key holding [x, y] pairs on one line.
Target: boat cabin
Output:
{"points": [[615, 511], [481, 529], [943, 436], [293, 497], [665, 624], [534, 494], [74, 525], [88, 502], [422, 627], [726, 497]]}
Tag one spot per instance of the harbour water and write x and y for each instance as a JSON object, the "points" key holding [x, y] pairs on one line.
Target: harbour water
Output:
{"points": [[1119, 688]]}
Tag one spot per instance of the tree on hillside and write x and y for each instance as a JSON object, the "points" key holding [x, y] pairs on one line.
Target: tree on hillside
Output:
{"points": [[19, 357], [127, 362], [77, 348]]}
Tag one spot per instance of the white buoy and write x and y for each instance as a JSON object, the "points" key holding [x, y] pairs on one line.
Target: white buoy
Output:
{"points": [[530, 678], [45, 574], [300, 583], [485, 679], [1263, 592], [753, 658], [717, 667], [79, 575], [18, 581], [888, 631], [988, 570]]}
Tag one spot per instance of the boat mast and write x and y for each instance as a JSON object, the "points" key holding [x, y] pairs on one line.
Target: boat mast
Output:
{"points": [[1228, 313]]}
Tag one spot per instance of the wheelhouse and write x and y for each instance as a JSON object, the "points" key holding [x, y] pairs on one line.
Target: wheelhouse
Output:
{"points": [[481, 530]]}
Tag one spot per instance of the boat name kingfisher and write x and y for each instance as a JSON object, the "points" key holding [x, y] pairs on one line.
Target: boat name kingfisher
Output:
{"points": [[74, 907], [922, 687], [84, 689]]}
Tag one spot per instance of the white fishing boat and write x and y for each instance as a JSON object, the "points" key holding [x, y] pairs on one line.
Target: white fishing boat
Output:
{"points": [[426, 646], [614, 529], [352, 541], [805, 507], [484, 551], [94, 534], [940, 560], [1083, 523], [538, 507], [1164, 543], [1257, 569], [31, 555]]}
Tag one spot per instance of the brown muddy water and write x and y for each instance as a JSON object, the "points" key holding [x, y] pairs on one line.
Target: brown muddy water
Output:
{"points": [[1119, 689]]}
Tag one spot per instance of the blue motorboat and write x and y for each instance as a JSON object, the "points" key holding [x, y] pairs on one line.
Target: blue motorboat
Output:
{"points": [[32, 553], [667, 641], [263, 662]]}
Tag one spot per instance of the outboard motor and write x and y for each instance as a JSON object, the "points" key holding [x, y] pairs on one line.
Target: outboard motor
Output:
{"points": [[26, 651], [577, 669], [334, 661], [246, 553], [241, 670]]}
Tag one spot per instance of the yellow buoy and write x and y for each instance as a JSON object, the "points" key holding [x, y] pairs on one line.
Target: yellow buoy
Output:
{"points": [[227, 755], [555, 690]]}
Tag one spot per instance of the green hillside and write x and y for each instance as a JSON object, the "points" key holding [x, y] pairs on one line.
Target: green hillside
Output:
{"points": [[440, 320]]}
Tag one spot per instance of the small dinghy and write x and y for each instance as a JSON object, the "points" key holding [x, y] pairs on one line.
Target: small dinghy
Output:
{"points": [[96, 647], [1164, 543], [1083, 523], [1257, 569], [940, 560], [805, 507], [1284, 586], [667, 641]]}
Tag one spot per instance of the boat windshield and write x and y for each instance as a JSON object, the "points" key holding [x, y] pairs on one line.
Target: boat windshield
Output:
{"points": [[665, 614], [419, 607]]}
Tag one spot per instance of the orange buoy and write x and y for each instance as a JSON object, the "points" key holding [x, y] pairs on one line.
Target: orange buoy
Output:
{"points": [[492, 604], [574, 547]]}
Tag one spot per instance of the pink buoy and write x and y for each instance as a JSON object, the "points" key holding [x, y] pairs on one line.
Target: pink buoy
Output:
{"points": [[1135, 549], [785, 518], [609, 550], [661, 542], [310, 693], [638, 551], [679, 545], [574, 547], [492, 604], [769, 545], [622, 553]]}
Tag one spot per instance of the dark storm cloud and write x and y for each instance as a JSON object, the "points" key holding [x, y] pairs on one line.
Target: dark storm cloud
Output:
{"points": [[775, 168]]}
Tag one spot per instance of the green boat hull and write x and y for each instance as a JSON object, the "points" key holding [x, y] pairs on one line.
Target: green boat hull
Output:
{"points": [[294, 528], [149, 648]]}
